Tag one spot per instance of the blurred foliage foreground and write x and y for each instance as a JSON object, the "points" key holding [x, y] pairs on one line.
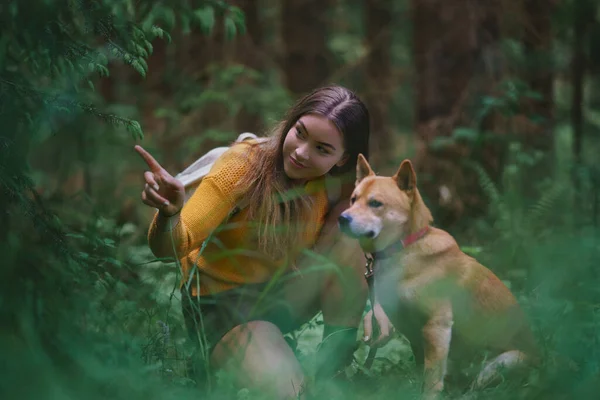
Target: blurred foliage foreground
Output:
{"points": [[86, 312]]}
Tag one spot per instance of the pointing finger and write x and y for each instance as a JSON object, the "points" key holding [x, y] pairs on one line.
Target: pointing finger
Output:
{"points": [[152, 163]]}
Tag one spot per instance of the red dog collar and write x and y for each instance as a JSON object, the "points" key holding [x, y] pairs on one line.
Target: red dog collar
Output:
{"points": [[398, 246]]}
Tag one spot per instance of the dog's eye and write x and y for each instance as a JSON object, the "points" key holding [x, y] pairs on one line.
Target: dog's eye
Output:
{"points": [[352, 200], [375, 203]]}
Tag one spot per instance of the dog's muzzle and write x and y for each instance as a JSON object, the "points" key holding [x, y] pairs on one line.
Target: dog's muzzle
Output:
{"points": [[345, 223]]}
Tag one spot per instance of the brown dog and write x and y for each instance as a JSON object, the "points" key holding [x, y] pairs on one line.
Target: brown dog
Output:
{"points": [[442, 300]]}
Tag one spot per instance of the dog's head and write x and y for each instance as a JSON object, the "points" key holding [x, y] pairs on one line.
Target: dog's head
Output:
{"points": [[383, 210]]}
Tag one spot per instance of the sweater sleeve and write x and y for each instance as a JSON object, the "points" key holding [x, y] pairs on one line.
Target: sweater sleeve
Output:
{"points": [[210, 204]]}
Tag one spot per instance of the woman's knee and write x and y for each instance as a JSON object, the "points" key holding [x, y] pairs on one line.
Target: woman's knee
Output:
{"points": [[345, 293], [351, 261], [259, 357]]}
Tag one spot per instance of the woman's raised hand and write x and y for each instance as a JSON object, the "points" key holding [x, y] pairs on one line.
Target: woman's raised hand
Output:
{"points": [[161, 191]]}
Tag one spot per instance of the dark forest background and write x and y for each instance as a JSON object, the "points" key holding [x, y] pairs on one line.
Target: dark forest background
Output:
{"points": [[496, 102]]}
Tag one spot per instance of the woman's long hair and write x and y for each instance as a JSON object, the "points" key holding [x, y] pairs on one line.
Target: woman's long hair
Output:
{"points": [[281, 223]]}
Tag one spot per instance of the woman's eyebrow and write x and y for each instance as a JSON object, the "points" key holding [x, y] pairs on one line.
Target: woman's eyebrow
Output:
{"points": [[325, 144]]}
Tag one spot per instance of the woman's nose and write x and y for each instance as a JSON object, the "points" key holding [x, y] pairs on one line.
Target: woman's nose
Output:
{"points": [[302, 153]]}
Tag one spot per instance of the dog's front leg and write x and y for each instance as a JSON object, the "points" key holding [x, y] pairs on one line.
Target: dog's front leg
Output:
{"points": [[437, 333]]}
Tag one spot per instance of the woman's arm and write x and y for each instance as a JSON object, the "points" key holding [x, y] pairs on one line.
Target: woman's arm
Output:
{"points": [[210, 204]]}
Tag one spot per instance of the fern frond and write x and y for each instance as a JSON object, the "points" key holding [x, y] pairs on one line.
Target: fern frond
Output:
{"points": [[498, 202], [544, 206], [487, 184]]}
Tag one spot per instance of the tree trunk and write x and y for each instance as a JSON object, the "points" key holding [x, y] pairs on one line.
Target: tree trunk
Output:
{"points": [[306, 58], [583, 21], [537, 41], [451, 41], [584, 18], [577, 78], [379, 87], [249, 52]]}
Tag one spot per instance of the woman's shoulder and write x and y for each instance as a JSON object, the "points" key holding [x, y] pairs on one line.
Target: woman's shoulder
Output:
{"points": [[239, 153], [237, 160]]}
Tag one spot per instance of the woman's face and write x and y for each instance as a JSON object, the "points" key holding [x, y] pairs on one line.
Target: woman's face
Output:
{"points": [[312, 147]]}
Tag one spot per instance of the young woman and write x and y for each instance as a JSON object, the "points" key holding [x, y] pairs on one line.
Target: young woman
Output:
{"points": [[242, 237]]}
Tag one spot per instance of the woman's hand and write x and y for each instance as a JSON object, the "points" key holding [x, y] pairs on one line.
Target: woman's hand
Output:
{"points": [[386, 329], [161, 191]]}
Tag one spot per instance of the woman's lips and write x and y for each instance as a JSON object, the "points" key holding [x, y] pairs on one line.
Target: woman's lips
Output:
{"points": [[296, 163]]}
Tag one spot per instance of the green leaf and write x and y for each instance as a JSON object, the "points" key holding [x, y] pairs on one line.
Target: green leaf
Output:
{"points": [[441, 142], [166, 113], [185, 24], [169, 17], [102, 70], [206, 18], [138, 34], [75, 235], [230, 28], [492, 101], [472, 250], [101, 59], [237, 15], [157, 31], [148, 46], [467, 134], [137, 65], [144, 64], [135, 129], [141, 51]]}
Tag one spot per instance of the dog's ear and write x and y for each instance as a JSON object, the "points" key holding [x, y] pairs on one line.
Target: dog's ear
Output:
{"points": [[363, 169], [406, 177]]}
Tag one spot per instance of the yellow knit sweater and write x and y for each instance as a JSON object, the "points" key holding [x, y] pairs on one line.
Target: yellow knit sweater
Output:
{"points": [[228, 260]]}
